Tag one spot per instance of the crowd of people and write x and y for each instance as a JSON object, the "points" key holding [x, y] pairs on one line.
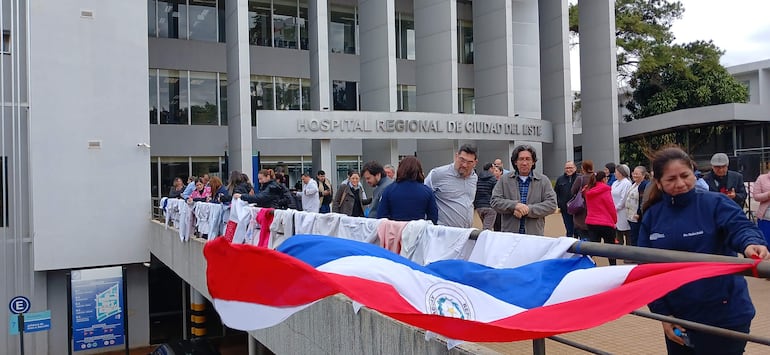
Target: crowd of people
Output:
{"points": [[670, 207]]}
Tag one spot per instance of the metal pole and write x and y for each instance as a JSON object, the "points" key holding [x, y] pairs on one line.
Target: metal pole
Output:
{"points": [[577, 345], [21, 333], [538, 346], [125, 308], [727, 333], [662, 255], [69, 313]]}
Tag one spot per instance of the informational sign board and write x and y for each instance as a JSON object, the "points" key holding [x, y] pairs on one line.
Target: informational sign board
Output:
{"points": [[97, 311], [19, 304], [33, 322]]}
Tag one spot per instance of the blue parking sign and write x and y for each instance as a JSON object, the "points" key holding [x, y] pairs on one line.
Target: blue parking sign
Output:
{"points": [[19, 304]]}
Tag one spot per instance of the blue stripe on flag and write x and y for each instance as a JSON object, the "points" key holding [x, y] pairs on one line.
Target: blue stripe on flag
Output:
{"points": [[527, 286]]}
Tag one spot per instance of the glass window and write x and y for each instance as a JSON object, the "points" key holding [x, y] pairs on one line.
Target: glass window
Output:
{"points": [[260, 22], [466, 101], [305, 94], [465, 42], [287, 93], [404, 36], [203, 20], [262, 92], [342, 30], [304, 36], [171, 168], [223, 99], [705, 141], [205, 165], [173, 97], [152, 19], [345, 95], [153, 96], [407, 98], [749, 136], [172, 19], [154, 187], [203, 98], [285, 23], [222, 15]]}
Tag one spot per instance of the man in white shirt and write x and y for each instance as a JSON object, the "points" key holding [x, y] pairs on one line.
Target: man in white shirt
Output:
{"points": [[454, 186], [310, 199]]}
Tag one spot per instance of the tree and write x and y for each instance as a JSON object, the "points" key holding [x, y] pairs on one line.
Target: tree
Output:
{"points": [[675, 77], [640, 25]]}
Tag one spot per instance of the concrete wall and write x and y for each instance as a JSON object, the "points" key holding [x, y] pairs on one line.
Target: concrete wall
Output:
{"points": [[328, 327], [89, 82]]}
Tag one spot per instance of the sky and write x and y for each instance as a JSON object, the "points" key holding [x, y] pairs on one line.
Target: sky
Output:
{"points": [[741, 28]]}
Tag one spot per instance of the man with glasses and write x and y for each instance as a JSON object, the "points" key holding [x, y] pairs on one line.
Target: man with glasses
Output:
{"points": [[725, 181], [524, 197], [454, 186]]}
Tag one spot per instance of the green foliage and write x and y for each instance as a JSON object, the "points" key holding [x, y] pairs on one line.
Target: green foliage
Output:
{"points": [[676, 77], [665, 76], [639, 26]]}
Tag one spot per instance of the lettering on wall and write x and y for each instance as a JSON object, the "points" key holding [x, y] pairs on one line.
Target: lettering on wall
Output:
{"points": [[418, 126]]}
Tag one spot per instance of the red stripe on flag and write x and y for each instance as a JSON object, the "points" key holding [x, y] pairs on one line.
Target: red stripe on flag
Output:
{"points": [[257, 275]]}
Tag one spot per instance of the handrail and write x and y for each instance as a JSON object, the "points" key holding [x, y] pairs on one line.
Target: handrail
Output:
{"points": [[704, 327], [662, 255]]}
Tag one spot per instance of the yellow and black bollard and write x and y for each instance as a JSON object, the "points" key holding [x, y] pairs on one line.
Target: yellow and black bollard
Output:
{"points": [[197, 314]]}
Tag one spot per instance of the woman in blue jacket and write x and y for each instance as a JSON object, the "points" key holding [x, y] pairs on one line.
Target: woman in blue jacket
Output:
{"points": [[679, 217], [408, 199]]}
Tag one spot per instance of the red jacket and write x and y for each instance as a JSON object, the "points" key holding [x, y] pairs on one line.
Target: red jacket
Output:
{"points": [[601, 209]]}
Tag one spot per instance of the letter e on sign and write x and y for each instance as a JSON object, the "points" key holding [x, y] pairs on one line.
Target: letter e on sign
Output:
{"points": [[19, 304]]}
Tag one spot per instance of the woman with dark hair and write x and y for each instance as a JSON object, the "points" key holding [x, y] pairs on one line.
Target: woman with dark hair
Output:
{"points": [[602, 215], [200, 193], [408, 199], [349, 199], [579, 219], [679, 217], [219, 193], [271, 194]]}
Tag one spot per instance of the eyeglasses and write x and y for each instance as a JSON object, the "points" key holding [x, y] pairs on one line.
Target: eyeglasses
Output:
{"points": [[464, 161]]}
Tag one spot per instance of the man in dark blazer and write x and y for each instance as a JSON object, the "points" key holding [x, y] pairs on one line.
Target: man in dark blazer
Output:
{"points": [[725, 181]]}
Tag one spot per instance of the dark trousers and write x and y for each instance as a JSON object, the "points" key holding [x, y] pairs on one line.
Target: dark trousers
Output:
{"points": [[569, 225], [325, 208], [597, 234], [633, 234]]}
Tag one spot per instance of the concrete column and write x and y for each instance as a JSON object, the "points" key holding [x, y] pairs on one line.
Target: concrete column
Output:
{"points": [[323, 159], [377, 55], [239, 145], [435, 27], [320, 82], [598, 81], [556, 91], [526, 58], [493, 70], [493, 57], [764, 86], [378, 71]]}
